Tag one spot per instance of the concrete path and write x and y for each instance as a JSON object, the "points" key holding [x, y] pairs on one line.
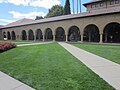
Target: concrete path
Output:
{"points": [[106, 69], [33, 44], [9, 83]]}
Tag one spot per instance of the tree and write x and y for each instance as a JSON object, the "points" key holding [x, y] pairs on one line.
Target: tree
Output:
{"points": [[56, 10], [38, 17], [67, 8]]}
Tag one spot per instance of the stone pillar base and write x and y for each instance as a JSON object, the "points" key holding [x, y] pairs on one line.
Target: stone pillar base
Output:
{"points": [[101, 37], [81, 38]]}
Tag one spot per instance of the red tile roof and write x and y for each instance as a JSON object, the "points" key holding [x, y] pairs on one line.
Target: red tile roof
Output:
{"points": [[20, 22], [1, 26]]}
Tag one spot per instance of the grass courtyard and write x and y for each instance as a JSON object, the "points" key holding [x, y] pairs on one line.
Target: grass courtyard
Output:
{"points": [[50, 67], [111, 52]]}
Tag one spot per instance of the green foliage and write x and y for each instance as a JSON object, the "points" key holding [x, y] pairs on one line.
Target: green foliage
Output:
{"points": [[50, 67], [38, 17], [56, 10], [67, 8]]}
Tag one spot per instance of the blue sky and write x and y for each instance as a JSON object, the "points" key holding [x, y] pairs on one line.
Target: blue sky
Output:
{"points": [[12, 10]]}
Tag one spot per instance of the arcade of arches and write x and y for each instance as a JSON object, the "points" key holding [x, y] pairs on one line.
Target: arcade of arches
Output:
{"points": [[91, 33]]}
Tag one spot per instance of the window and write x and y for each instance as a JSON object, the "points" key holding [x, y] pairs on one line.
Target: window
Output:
{"points": [[92, 5], [112, 2], [116, 1]]}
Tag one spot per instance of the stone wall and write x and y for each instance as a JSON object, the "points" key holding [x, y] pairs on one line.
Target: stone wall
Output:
{"points": [[0, 34]]}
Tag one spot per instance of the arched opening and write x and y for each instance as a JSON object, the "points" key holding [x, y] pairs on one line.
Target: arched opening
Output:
{"points": [[39, 36], [60, 34], [48, 34], [4, 36], [8, 36], [91, 33], [13, 35], [24, 35], [74, 34], [30, 35], [111, 33]]}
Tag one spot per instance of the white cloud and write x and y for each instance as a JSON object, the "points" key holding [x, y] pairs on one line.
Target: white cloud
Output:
{"points": [[18, 2], [45, 3], [30, 15], [35, 3]]}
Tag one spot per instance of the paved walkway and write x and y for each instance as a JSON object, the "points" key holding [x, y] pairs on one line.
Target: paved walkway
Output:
{"points": [[33, 44], [9, 83], [106, 69]]}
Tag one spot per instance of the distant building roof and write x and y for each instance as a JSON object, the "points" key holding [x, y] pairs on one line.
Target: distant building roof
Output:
{"points": [[20, 22], [1, 26], [24, 22], [93, 1]]}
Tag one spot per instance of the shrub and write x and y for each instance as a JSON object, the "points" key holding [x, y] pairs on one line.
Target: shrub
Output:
{"points": [[4, 46]]}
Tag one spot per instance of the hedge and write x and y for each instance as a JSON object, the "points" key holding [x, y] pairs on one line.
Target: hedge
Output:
{"points": [[4, 46]]}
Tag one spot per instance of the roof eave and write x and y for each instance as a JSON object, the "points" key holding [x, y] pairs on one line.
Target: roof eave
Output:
{"points": [[59, 20], [85, 4]]}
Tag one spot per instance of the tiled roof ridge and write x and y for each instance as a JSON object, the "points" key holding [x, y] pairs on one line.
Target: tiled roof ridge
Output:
{"points": [[19, 22]]}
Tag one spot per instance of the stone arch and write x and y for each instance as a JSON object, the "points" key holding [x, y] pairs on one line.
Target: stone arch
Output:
{"points": [[74, 33], [4, 35], [24, 35], [39, 35], [111, 33], [8, 36], [30, 35], [60, 34], [48, 34], [91, 33], [13, 35]]}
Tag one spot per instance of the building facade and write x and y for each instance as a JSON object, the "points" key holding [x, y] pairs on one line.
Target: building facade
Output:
{"points": [[100, 23], [101, 4]]}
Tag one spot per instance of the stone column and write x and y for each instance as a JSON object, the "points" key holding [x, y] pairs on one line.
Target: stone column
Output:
{"points": [[53, 38], [43, 38], [27, 37], [34, 37], [7, 36], [81, 38], [66, 38], [101, 37], [10, 36], [17, 37]]}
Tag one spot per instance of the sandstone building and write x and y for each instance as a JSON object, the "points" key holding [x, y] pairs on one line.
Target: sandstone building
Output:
{"points": [[100, 23]]}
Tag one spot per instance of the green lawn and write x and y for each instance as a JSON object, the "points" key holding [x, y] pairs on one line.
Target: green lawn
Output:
{"points": [[50, 67], [110, 52]]}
